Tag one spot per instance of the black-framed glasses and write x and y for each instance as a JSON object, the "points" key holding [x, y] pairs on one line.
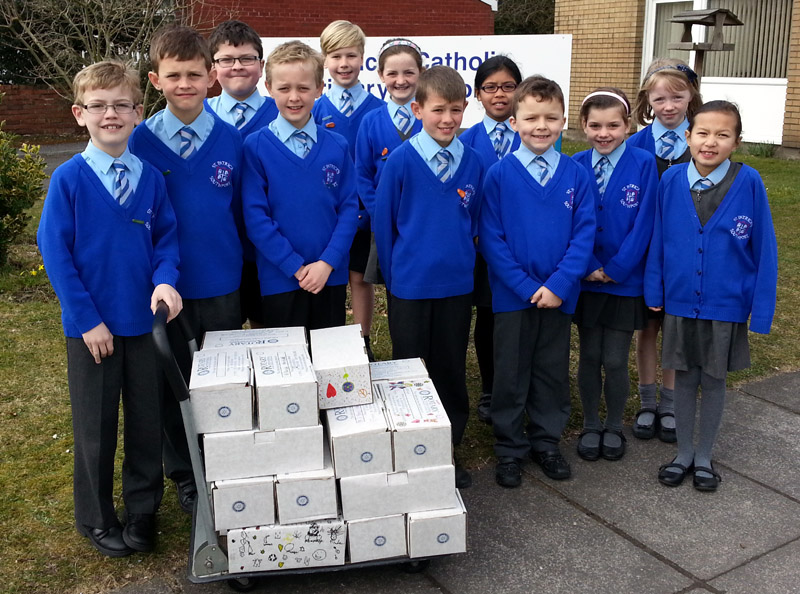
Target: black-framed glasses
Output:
{"points": [[100, 108], [229, 62], [507, 87]]}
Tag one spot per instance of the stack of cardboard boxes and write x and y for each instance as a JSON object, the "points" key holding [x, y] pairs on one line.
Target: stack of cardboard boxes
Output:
{"points": [[380, 486]]}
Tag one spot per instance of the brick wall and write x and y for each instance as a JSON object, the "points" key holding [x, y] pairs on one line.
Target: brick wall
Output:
{"points": [[791, 118], [606, 46], [307, 18], [29, 110]]}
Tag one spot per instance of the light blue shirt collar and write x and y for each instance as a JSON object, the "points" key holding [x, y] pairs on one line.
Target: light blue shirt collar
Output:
{"points": [[335, 94], [429, 147], [228, 103], [393, 107], [201, 125], [490, 124], [526, 157], [281, 128], [613, 157], [714, 177], [659, 129], [104, 161]]}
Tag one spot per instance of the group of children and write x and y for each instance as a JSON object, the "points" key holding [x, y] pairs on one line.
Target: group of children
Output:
{"points": [[246, 207]]}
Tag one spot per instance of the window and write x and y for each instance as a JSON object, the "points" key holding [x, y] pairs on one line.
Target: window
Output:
{"points": [[666, 32]]}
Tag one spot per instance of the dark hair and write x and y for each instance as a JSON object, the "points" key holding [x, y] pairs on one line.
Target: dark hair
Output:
{"points": [[719, 106], [236, 33], [539, 87], [496, 64], [443, 81], [399, 45], [605, 102], [179, 42]]}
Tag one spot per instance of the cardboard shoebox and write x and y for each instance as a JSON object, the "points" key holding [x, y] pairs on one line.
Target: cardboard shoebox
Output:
{"points": [[421, 434], [294, 546], [245, 454], [397, 369], [386, 494], [221, 390], [438, 532], [376, 538], [243, 502], [286, 388], [342, 366], [293, 336], [359, 439], [306, 496]]}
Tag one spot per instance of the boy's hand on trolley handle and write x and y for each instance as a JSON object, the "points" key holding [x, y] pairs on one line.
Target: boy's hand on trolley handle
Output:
{"points": [[544, 298], [168, 295]]}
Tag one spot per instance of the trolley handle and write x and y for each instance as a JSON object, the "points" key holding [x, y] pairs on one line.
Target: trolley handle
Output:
{"points": [[164, 350]]}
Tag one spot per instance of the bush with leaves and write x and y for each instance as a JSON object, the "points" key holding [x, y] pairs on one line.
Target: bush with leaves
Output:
{"points": [[21, 176]]}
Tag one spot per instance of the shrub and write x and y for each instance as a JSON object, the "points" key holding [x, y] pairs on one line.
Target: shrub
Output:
{"points": [[21, 176]]}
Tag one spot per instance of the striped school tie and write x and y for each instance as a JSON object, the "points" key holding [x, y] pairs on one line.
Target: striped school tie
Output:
{"points": [[668, 141], [544, 173], [240, 109], [402, 120], [702, 184], [347, 103], [501, 145], [122, 187], [600, 174], [302, 139], [187, 142], [443, 166]]}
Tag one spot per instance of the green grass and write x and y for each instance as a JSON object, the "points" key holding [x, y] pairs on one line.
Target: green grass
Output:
{"points": [[43, 553]]}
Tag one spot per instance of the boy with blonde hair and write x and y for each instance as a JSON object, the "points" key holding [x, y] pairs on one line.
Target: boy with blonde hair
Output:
{"points": [[342, 109], [108, 238], [199, 156], [426, 217], [299, 199]]}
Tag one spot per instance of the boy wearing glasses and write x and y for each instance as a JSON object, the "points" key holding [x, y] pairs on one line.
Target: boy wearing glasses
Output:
{"points": [[199, 156], [238, 57], [109, 241]]}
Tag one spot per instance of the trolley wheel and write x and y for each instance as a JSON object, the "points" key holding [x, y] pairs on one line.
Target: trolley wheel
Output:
{"points": [[417, 566], [243, 584]]}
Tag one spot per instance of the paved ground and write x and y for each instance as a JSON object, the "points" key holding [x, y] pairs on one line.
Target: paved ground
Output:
{"points": [[613, 528]]}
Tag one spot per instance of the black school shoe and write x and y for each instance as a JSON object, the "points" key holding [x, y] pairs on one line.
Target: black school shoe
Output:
{"points": [[508, 472], [140, 532], [553, 464], [665, 434], [642, 431], [672, 474], [613, 453], [108, 541], [187, 494], [485, 409], [708, 484], [586, 452]]}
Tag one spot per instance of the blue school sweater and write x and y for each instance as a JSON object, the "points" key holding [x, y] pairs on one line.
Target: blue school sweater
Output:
{"points": [[377, 139], [298, 211], [624, 217], [644, 140], [477, 138], [726, 270], [327, 115], [204, 191], [532, 235], [103, 259], [265, 114], [424, 228]]}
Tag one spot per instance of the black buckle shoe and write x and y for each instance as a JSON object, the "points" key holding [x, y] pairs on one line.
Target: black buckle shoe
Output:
{"points": [[672, 474], [586, 452], [187, 494], [666, 434], [648, 431], [140, 532], [553, 464], [613, 453], [708, 484], [485, 409], [108, 541]]}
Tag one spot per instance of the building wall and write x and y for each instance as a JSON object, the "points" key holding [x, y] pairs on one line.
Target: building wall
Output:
{"points": [[791, 119], [307, 18], [40, 111], [606, 47]]}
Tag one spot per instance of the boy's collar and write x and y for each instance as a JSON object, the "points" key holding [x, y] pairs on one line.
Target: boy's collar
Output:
{"points": [[285, 129], [228, 102], [430, 147], [103, 160]]}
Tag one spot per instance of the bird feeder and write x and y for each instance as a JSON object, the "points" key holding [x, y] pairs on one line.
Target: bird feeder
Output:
{"points": [[717, 18]]}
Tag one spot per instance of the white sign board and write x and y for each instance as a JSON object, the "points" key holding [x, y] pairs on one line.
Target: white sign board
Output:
{"points": [[548, 55]]}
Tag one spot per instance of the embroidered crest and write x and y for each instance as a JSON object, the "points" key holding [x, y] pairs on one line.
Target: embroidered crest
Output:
{"points": [[331, 176], [630, 198], [223, 174], [742, 226], [466, 194], [570, 198]]}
